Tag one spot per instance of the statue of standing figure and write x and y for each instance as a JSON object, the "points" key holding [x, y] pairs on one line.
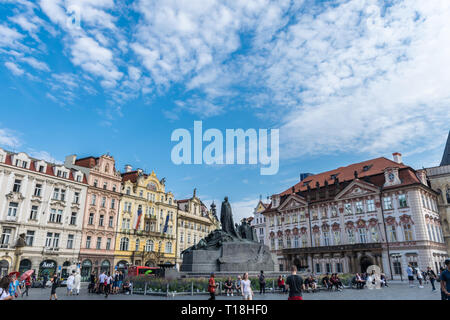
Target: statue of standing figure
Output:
{"points": [[226, 219]]}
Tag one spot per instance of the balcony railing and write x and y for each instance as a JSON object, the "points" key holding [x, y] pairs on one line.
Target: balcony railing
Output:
{"points": [[4, 245]]}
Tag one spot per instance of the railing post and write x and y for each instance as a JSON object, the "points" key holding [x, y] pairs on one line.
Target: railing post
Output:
{"points": [[167, 289], [145, 289], [273, 285], [192, 288]]}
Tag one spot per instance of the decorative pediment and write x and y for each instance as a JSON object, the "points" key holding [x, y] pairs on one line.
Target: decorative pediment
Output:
{"points": [[57, 203], [36, 200], [15, 196], [75, 207], [357, 189], [293, 201]]}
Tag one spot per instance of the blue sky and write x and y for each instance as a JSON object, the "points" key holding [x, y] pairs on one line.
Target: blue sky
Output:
{"points": [[344, 81]]}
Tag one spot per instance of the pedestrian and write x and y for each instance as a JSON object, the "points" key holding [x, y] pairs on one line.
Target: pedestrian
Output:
{"points": [[107, 284], [4, 288], [77, 283], [55, 283], [294, 284], [445, 281], [409, 272], [419, 277], [432, 276], [262, 282], [70, 282], [101, 282], [246, 287], [14, 288], [119, 284], [212, 287], [27, 285], [44, 280], [92, 283]]}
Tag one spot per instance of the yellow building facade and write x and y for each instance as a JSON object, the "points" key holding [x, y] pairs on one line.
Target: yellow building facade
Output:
{"points": [[147, 228]]}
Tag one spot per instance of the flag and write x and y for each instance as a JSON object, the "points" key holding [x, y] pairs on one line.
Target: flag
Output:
{"points": [[167, 223], [138, 218]]}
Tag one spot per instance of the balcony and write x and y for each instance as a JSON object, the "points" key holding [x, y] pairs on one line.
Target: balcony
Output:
{"points": [[336, 248], [4, 246], [50, 250], [11, 218]]}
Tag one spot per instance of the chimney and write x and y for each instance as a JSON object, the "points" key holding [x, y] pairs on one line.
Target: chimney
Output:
{"points": [[128, 168], [397, 157], [70, 160]]}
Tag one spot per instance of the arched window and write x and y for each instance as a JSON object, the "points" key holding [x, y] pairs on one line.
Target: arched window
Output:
{"points": [[107, 168], [124, 244], [448, 195], [408, 232], [138, 243], [149, 246], [169, 247]]}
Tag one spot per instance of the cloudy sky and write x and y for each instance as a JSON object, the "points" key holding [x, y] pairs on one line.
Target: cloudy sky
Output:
{"points": [[344, 81]]}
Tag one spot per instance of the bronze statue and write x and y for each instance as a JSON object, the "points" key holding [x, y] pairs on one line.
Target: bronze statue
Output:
{"points": [[226, 219], [21, 242]]}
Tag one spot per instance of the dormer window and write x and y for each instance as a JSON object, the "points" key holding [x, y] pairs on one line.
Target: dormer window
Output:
{"points": [[366, 168], [95, 183], [41, 169]]}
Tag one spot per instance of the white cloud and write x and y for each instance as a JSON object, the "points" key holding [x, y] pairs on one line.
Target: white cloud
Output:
{"points": [[14, 68], [9, 37], [43, 155], [36, 63], [8, 138]]}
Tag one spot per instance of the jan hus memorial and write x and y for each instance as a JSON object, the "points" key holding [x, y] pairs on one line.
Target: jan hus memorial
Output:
{"points": [[232, 248]]}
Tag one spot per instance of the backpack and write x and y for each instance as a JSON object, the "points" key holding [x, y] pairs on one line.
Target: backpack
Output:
{"points": [[262, 278]]}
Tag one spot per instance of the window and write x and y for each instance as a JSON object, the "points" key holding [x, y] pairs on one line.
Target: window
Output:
{"points": [[41, 168], [328, 267], [408, 232], [111, 220], [95, 183], [351, 236], [70, 241], [124, 244], [147, 226], [16, 186], [280, 243], [103, 202], [402, 201], [6, 235], [56, 194], [34, 212], [295, 241], [314, 215], [73, 218], [288, 242], [339, 268], [387, 203], [370, 205], [128, 191], [430, 234], [63, 195], [114, 188], [91, 219], [348, 208], [304, 241], [317, 239], [337, 237], [88, 242], [38, 190], [100, 221], [99, 243], [30, 238], [317, 267], [362, 235], [76, 197], [105, 186], [108, 243], [333, 211], [392, 233], [359, 207], [52, 217], [141, 193], [94, 199], [138, 244], [397, 267], [168, 247], [52, 240], [181, 237], [374, 234], [272, 243], [59, 216], [113, 203]]}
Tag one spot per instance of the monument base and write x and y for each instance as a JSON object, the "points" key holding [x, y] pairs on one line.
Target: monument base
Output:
{"points": [[232, 256]]}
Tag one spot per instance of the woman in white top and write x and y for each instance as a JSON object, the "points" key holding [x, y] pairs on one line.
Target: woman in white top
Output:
{"points": [[246, 288], [70, 281], [77, 283], [4, 289]]}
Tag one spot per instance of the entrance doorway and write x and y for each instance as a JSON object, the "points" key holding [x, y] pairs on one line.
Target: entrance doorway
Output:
{"points": [[25, 265], [4, 267], [365, 262], [86, 269]]}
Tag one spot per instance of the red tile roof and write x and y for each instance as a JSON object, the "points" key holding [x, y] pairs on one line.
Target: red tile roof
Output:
{"points": [[88, 162]]}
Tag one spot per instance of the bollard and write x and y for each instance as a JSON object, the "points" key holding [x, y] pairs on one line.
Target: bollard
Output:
{"points": [[145, 289], [273, 285], [167, 289]]}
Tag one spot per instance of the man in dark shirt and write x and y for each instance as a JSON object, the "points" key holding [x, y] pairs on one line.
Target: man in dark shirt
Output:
{"points": [[294, 284], [445, 281]]}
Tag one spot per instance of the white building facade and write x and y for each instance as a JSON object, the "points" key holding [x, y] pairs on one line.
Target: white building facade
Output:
{"points": [[259, 222], [378, 212], [46, 203]]}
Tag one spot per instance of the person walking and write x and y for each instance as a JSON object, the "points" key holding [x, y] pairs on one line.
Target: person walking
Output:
{"points": [[445, 281], [44, 280], [246, 286], [108, 280], [92, 283], [262, 283], [432, 276], [212, 287], [294, 285], [70, 281], [14, 288], [55, 283], [410, 273], [419, 277], [27, 285], [77, 283], [101, 282], [4, 288]]}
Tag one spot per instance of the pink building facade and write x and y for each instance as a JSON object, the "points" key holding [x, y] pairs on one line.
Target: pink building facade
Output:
{"points": [[101, 212]]}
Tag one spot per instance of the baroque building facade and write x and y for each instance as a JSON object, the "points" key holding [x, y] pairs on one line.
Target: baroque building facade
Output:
{"points": [[377, 212], [101, 212], [259, 221], [146, 233], [439, 178], [45, 202], [194, 223]]}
